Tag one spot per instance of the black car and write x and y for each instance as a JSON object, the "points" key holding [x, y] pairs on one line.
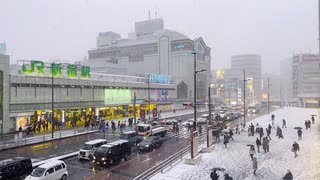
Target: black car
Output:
{"points": [[150, 143], [111, 153], [16, 168], [131, 136]]}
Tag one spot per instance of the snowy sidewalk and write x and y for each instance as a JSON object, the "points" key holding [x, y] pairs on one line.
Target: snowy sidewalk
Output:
{"points": [[272, 165]]}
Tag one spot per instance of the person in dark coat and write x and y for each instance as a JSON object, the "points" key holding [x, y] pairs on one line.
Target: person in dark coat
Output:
{"points": [[284, 123], [269, 128], [288, 176], [272, 117], [261, 133], [312, 119], [230, 134], [214, 175], [217, 135], [309, 123], [258, 143], [254, 165], [295, 148], [299, 134], [306, 124], [225, 140], [227, 177]]}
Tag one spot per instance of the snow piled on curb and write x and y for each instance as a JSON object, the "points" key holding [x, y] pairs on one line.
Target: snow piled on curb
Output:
{"points": [[271, 166]]}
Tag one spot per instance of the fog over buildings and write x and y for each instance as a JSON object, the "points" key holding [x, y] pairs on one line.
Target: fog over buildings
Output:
{"points": [[67, 29]]}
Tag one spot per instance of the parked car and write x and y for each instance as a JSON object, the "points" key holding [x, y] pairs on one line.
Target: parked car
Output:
{"points": [[89, 147], [131, 136], [52, 170], [203, 119], [150, 143], [15, 168], [168, 122], [187, 123], [111, 153]]}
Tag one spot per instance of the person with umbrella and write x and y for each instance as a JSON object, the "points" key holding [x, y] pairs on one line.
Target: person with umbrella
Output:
{"points": [[252, 152], [309, 123], [258, 142], [214, 175]]}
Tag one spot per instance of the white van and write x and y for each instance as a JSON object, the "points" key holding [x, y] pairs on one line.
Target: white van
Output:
{"points": [[52, 170], [89, 147]]}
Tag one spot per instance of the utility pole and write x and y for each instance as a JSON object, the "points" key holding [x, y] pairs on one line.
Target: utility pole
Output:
{"points": [[149, 97], [195, 91], [209, 95], [52, 89], [319, 24], [268, 96], [244, 97], [134, 107]]}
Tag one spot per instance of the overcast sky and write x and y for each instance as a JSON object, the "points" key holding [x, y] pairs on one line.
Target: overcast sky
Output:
{"points": [[67, 29]]}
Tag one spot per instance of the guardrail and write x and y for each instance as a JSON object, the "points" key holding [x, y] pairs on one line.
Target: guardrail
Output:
{"points": [[167, 162], [44, 138]]}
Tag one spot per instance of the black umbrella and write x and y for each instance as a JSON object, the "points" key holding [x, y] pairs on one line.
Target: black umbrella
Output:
{"points": [[313, 115], [218, 169], [297, 127], [250, 145]]}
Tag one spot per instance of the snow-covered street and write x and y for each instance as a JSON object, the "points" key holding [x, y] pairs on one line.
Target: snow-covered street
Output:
{"points": [[272, 165]]}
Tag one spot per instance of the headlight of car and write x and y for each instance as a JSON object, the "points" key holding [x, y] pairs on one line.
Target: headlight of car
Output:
{"points": [[103, 159], [94, 157], [138, 144], [147, 145]]}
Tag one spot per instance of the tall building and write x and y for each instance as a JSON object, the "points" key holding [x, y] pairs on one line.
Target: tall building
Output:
{"points": [[306, 79], [251, 63], [151, 49], [4, 91], [286, 79], [3, 48]]}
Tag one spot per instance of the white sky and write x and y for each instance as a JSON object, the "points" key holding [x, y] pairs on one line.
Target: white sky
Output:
{"points": [[67, 29]]}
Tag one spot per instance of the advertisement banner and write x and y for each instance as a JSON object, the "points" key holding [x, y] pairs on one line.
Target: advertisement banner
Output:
{"points": [[154, 112], [143, 114], [159, 95], [117, 96]]}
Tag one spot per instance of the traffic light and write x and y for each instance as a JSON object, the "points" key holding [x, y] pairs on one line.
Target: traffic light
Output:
{"points": [[187, 104]]}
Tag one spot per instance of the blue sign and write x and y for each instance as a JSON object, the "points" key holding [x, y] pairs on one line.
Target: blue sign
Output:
{"points": [[179, 46], [159, 78]]}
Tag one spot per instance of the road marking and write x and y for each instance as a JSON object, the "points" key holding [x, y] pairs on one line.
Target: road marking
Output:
{"points": [[148, 159]]}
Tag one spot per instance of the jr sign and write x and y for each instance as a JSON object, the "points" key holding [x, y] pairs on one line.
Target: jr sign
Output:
{"points": [[38, 68]]}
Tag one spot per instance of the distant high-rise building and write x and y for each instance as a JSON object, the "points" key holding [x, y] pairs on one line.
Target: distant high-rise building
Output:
{"points": [[306, 79], [286, 79], [151, 49], [3, 48], [251, 63]]}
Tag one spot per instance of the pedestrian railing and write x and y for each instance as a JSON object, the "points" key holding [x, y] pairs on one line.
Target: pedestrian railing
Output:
{"points": [[169, 162], [43, 138]]}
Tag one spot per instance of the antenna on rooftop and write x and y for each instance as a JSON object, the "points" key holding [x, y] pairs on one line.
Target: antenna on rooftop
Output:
{"points": [[149, 16]]}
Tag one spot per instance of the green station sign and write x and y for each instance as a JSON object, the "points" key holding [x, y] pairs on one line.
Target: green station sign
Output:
{"points": [[38, 68]]}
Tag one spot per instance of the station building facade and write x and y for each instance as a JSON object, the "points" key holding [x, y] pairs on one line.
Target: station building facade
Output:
{"points": [[80, 97]]}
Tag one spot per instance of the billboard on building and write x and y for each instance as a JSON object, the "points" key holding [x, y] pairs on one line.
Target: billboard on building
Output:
{"points": [[310, 58], [159, 95], [117, 96]]}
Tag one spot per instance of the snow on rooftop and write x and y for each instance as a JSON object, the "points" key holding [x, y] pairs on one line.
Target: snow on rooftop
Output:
{"points": [[271, 166]]}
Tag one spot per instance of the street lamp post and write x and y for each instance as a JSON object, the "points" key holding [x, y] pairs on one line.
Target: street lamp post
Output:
{"points": [[52, 89], [195, 89], [244, 97], [269, 96], [148, 97]]}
